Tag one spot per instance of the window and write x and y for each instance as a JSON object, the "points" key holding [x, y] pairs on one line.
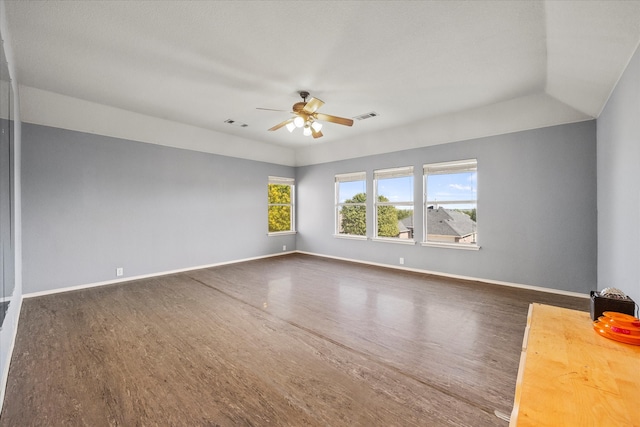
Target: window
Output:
{"points": [[281, 205], [451, 197], [394, 203], [351, 206]]}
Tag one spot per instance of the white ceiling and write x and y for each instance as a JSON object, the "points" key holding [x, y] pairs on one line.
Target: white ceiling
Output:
{"points": [[415, 63]]}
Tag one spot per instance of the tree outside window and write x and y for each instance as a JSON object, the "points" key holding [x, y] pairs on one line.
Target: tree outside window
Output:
{"points": [[351, 204], [281, 206], [353, 216]]}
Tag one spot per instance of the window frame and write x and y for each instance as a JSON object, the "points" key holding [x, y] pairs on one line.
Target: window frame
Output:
{"points": [[277, 180], [397, 172], [443, 168], [348, 177]]}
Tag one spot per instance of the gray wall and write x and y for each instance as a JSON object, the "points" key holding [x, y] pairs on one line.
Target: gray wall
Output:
{"points": [[93, 203], [619, 185], [536, 209]]}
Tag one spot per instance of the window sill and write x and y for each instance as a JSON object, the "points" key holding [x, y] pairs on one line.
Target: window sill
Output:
{"points": [[350, 236], [396, 241], [462, 246], [281, 233]]}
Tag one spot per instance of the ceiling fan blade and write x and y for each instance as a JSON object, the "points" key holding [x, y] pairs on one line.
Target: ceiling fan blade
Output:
{"points": [[279, 125], [333, 119], [269, 109], [316, 134], [312, 106]]}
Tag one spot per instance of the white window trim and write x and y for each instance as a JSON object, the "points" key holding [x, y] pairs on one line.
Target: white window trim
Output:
{"points": [[350, 236], [284, 181], [347, 177], [351, 176], [386, 174], [281, 233], [467, 165], [462, 246], [395, 240], [457, 166]]}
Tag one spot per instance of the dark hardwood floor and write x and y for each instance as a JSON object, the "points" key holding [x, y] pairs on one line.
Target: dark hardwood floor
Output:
{"points": [[292, 340]]}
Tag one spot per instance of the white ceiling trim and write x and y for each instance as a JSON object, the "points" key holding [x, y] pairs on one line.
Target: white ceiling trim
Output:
{"points": [[51, 109], [525, 113]]}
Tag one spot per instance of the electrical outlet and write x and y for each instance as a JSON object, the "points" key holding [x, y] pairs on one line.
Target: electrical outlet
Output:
{"points": [[284, 247], [401, 261], [119, 271]]}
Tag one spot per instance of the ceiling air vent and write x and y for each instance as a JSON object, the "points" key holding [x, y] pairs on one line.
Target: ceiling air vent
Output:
{"points": [[366, 116], [235, 123]]}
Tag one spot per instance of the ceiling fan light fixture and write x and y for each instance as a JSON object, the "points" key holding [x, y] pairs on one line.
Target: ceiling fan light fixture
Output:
{"points": [[305, 114]]}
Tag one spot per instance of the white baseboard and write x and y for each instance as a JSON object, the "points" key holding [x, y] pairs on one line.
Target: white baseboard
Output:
{"points": [[456, 276], [146, 276], [415, 270]]}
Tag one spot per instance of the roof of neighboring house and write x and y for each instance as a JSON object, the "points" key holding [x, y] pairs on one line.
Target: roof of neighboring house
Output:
{"points": [[447, 222], [406, 224]]}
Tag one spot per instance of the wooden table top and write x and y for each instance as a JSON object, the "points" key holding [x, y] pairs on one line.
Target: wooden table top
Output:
{"points": [[571, 376]]}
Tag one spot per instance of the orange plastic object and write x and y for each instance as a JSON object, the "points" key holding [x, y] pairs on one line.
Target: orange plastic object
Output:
{"points": [[605, 330], [621, 319], [623, 328]]}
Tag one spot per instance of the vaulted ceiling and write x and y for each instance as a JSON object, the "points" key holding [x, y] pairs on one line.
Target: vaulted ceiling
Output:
{"points": [[433, 71]]}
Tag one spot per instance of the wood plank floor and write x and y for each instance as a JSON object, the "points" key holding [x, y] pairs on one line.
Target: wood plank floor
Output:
{"points": [[292, 340]]}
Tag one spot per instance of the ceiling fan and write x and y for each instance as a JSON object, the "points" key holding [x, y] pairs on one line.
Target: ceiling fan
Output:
{"points": [[306, 116]]}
